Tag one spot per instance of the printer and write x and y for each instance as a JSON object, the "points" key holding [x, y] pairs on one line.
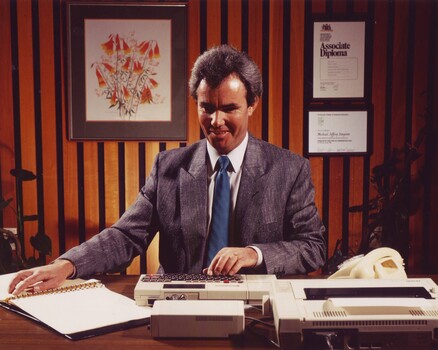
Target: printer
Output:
{"points": [[248, 288], [355, 313], [370, 303]]}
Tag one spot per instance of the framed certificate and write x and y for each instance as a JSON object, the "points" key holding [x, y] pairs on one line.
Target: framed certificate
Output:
{"points": [[338, 59], [337, 132]]}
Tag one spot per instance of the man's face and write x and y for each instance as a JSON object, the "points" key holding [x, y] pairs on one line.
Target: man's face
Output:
{"points": [[223, 113]]}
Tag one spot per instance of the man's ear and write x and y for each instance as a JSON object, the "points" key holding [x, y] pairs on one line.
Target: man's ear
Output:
{"points": [[253, 107]]}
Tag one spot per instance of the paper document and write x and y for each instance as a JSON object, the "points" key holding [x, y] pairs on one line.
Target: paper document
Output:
{"points": [[78, 309]]}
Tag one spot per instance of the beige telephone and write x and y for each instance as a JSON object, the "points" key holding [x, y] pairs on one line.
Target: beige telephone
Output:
{"points": [[381, 262]]}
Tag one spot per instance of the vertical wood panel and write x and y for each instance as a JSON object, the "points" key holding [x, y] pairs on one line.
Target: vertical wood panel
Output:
{"points": [[49, 125], [152, 253], [378, 85], [132, 187], [111, 183], [400, 104], [213, 23], [420, 84], [360, 6], [335, 213], [91, 189], [234, 23], [27, 132], [7, 152], [318, 6], [172, 145], [357, 172], [432, 266], [193, 46], [70, 171], [318, 164], [59, 104], [255, 51], [340, 6], [132, 184], [356, 195], [70, 194], [275, 72], [399, 75], [296, 77]]}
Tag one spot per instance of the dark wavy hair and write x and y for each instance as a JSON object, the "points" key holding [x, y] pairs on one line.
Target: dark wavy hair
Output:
{"points": [[217, 63]]}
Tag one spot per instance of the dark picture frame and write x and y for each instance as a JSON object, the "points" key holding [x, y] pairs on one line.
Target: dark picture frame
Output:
{"points": [[339, 72], [338, 132], [127, 71]]}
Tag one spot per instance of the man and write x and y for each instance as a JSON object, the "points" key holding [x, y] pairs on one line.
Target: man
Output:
{"points": [[273, 224]]}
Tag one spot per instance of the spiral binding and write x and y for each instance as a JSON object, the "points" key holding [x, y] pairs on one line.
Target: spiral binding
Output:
{"points": [[65, 289]]}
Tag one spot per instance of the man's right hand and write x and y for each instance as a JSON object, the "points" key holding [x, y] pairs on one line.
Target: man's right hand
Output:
{"points": [[41, 278]]}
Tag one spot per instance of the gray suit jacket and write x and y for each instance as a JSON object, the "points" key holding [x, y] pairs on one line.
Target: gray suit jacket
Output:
{"points": [[275, 211]]}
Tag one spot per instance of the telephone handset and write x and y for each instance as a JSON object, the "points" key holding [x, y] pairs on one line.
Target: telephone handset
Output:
{"points": [[381, 262]]}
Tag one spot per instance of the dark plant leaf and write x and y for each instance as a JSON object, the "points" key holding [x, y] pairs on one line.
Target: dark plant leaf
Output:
{"points": [[30, 217], [22, 174], [4, 202], [42, 243], [415, 157], [5, 254], [31, 262], [356, 208]]}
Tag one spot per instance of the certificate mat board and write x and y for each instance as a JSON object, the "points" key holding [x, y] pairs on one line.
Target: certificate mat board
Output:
{"points": [[339, 59], [338, 132]]}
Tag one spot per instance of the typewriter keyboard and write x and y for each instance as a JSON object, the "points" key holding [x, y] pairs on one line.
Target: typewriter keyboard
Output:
{"points": [[191, 277]]}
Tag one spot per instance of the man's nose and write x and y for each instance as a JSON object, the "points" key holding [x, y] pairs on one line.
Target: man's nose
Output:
{"points": [[217, 119]]}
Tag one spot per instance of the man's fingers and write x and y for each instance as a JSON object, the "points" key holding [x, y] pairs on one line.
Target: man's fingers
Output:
{"points": [[21, 286], [211, 268], [17, 279], [41, 278], [27, 282], [229, 261], [35, 283], [42, 286], [235, 268], [18, 287], [218, 263], [226, 265], [21, 281]]}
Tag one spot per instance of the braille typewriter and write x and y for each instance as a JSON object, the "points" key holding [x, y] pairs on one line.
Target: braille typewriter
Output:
{"points": [[249, 288]]}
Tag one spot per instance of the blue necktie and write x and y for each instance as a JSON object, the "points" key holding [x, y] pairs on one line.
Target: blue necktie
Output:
{"points": [[221, 210]]}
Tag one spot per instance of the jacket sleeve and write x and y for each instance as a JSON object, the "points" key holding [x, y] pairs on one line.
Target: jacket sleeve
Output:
{"points": [[302, 248], [114, 248]]}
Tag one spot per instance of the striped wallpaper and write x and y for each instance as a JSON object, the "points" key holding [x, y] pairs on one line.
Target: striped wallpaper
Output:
{"points": [[82, 187]]}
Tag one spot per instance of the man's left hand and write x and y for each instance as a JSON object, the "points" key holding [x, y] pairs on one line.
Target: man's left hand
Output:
{"points": [[229, 260]]}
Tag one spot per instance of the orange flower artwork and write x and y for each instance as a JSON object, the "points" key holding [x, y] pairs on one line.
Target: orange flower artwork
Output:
{"points": [[124, 73]]}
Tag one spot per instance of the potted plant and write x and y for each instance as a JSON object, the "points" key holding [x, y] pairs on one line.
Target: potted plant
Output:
{"points": [[388, 212], [11, 253]]}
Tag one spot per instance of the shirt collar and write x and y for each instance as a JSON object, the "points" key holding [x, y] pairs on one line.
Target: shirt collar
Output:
{"points": [[235, 156]]}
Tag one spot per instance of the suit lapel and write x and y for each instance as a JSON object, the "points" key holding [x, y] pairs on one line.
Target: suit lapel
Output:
{"points": [[251, 183], [193, 204]]}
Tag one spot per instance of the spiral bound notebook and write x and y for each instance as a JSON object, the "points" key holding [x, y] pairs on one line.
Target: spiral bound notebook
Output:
{"points": [[77, 309]]}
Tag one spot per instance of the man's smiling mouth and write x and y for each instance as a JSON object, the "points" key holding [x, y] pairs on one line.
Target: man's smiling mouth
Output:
{"points": [[219, 132]]}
